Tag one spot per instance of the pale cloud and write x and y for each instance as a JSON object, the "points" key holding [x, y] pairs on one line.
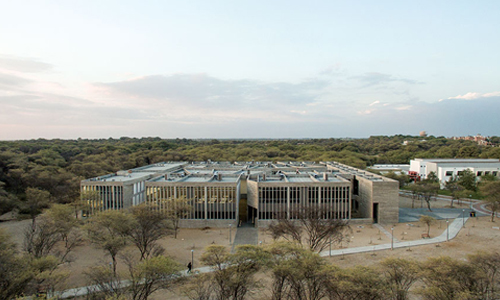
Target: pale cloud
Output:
{"points": [[24, 65], [374, 103], [405, 107], [474, 95], [375, 78]]}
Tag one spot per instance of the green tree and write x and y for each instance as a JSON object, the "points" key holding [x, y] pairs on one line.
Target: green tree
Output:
{"points": [[447, 279], [400, 275], [36, 200], [177, 209], [428, 221], [150, 275], [467, 179], [233, 275], [56, 225], [427, 190], [15, 273], [150, 225], [491, 193], [355, 283], [109, 230], [489, 265], [297, 273]]}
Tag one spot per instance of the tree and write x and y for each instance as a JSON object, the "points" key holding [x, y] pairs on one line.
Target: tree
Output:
{"points": [[150, 275], [177, 210], [403, 179], [415, 192], [104, 282], [36, 200], [432, 177], [47, 277], [309, 223], [491, 193], [400, 274], [489, 264], [67, 229], [447, 279], [199, 288], [56, 225], [455, 188], [233, 275], [355, 283], [467, 179], [427, 220], [427, 190], [150, 225], [15, 273], [7, 201], [41, 238], [297, 273], [109, 230]]}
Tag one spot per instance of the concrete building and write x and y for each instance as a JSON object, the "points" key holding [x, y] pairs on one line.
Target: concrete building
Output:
{"points": [[448, 167], [256, 192]]}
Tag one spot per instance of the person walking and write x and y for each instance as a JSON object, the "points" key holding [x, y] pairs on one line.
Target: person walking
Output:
{"points": [[189, 267]]}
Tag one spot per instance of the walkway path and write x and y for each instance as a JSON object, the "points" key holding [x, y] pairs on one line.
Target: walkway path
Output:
{"points": [[453, 229], [387, 233], [245, 234], [248, 235]]}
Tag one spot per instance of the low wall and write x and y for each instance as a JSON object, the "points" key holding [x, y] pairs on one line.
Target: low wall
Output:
{"points": [[207, 223], [265, 223]]}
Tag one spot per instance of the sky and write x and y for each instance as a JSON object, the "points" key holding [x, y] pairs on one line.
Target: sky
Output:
{"points": [[248, 69]]}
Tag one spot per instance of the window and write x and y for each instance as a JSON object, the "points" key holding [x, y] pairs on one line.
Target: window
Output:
{"points": [[479, 173], [449, 173], [494, 173]]}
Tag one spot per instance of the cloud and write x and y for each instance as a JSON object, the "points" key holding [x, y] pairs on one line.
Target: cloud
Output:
{"points": [[202, 92], [374, 78], [474, 95], [10, 81], [374, 103], [24, 65]]}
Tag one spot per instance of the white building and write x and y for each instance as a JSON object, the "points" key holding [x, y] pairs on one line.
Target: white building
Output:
{"points": [[445, 168]]}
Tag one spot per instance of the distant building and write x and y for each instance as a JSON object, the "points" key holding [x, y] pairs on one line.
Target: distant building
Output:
{"points": [[479, 139], [449, 167], [397, 169], [224, 193]]}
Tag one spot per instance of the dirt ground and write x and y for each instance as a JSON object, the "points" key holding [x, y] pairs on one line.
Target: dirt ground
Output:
{"points": [[478, 234]]}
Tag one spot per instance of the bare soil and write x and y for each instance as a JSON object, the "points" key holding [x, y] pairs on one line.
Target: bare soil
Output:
{"points": [[478, 234]]}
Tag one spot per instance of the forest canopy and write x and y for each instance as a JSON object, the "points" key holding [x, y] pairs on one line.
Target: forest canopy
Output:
{"points": [[58, 166]]}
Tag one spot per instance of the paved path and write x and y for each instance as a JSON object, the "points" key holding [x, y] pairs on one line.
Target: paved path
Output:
{"points": [[245, 234], [249, 236], [387, 233], [453, 230]]}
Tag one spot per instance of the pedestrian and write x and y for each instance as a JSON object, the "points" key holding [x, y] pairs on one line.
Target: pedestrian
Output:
{"points": [[189, 267]]}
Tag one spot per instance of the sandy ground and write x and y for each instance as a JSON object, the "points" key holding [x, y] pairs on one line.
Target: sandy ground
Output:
{"points": [[478, 234]]}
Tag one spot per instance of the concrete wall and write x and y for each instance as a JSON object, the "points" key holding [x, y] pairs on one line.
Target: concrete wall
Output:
{"points": [[192, 223], [385, 193], [253, 194], [263, 224]]}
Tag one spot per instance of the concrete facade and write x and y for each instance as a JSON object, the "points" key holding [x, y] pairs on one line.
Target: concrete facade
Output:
{"points": [[255, 192]]}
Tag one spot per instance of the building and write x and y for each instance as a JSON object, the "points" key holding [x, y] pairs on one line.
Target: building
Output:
{"points": [[396, 169], [445, 168], [224, 193], [479, 139]]}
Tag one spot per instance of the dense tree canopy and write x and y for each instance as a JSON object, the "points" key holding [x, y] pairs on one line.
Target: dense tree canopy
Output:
{"points": [[57, 166]]}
